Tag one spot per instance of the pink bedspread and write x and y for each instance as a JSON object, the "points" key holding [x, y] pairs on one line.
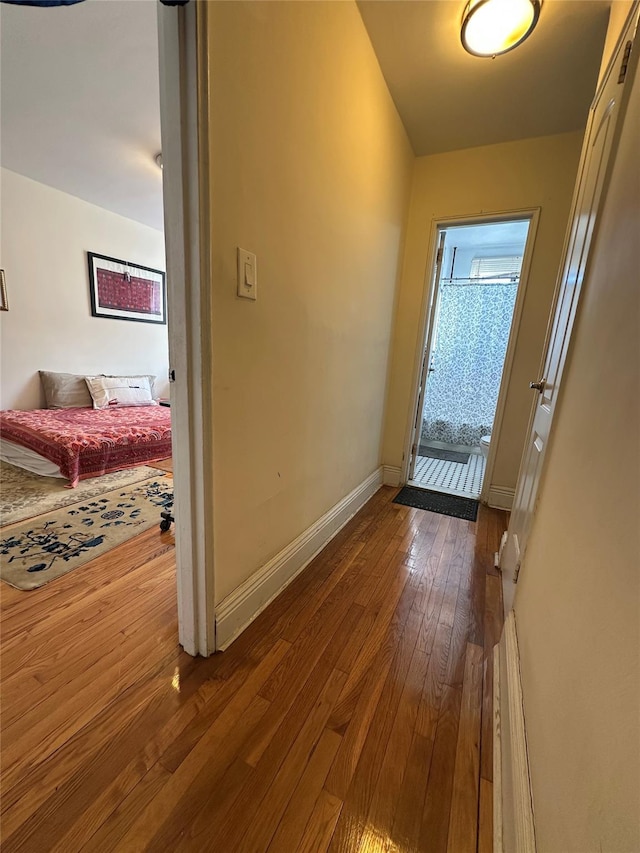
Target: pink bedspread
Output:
{"points": [[88, 442]]}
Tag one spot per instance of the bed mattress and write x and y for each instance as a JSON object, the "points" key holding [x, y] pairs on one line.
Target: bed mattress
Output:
{"points": [[22, 457], [85, 443]]}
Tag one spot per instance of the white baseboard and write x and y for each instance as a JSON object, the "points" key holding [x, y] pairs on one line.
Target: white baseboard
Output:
{"points": [[241, 607], [501, 497], [512, 795], [391, 476]]}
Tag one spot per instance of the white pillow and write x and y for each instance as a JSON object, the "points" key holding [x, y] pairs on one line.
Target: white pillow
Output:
{"points": [[149, 376], [109, 392]]}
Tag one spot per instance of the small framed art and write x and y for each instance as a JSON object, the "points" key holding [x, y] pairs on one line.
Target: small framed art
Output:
{"points": [[124, 291], [4, 300]]}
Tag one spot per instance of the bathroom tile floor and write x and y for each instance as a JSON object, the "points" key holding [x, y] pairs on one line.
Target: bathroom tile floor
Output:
{"points": [[451, 477]]}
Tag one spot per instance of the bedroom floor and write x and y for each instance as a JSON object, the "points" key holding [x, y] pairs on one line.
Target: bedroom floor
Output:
{"points": [[355, 709]]}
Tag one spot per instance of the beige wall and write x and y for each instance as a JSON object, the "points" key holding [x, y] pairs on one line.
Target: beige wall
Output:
{"points": [[310, 170], [617, 16], [44, 238], [514, 175], [578, 600]]}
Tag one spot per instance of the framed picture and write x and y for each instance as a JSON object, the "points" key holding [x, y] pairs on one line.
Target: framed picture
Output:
{"points": [[125, 291], [4, 301]]}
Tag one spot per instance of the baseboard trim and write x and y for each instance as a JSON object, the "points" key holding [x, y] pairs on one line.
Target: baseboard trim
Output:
{"points": [[513, 801], [391, 476], [245, 603], [501, 497]]}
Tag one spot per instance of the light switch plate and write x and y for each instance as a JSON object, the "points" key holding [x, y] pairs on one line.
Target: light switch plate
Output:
{"points": [[247, 274]]}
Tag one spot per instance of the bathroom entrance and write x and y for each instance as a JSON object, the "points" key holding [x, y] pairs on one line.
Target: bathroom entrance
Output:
{"points": [[474, 305]]}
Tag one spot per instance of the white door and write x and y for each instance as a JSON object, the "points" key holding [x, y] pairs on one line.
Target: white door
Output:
{"points": [[427, 354], [597, 154]]}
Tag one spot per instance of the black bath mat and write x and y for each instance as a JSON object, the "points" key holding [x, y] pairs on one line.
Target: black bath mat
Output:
{"points": [[438, 502], [446, 455]]}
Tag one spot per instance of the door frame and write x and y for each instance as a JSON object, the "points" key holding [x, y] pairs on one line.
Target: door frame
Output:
{"points": [[188, 302], [511, 560], [439, 224]]}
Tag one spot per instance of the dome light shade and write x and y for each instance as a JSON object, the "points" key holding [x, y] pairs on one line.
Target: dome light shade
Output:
{"points": [[491, 27]]}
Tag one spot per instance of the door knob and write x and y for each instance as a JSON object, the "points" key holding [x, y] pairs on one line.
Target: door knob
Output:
{"points": [[537, 386]]}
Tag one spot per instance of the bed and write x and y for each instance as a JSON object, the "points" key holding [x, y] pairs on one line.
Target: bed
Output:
{"points": [[83, 442]]}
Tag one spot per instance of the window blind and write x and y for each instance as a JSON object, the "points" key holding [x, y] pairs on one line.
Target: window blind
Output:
{"points": [[506, 266]]}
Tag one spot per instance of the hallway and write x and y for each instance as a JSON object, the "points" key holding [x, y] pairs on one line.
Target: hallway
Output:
{"points": [[353, 714]]}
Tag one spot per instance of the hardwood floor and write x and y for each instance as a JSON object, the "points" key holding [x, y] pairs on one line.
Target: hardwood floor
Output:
{"points": [[353, 715]]}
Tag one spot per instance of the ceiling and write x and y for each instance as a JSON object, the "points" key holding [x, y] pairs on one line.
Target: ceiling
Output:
{"points": [[80, 102], [79, 88], [449, 99]]}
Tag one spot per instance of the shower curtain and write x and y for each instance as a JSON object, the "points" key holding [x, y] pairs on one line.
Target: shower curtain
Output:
{"points": [[471, 342]]}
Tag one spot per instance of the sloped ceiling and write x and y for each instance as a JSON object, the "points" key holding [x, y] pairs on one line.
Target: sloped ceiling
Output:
{"points": [[449, 99]]}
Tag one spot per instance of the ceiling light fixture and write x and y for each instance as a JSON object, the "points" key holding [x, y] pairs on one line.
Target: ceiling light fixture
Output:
{"points": [[491, 27], [158, 159]]}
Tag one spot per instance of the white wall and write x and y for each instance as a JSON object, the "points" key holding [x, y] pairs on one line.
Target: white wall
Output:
{"points": [[311, 169], [577, 604], [529, 173], [44, 237]]}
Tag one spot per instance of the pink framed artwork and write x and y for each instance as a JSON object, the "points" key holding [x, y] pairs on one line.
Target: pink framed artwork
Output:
{"points": [[122, 290]]}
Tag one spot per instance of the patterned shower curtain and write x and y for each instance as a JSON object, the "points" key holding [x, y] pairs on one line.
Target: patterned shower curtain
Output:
{"points": [[472, 336]]}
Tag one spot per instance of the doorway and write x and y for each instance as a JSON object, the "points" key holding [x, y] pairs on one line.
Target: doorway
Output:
{"points": [[477, 276]]}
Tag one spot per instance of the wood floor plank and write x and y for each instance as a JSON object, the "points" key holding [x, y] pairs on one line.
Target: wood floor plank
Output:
{"points": [[102, 794], [434, 831], [440, 647], [385, 614], [346, 717], [110, 833], [205, 793], [334, 635], [384, 803], [43, 730], [261, 830], [463, 820], [405, 833], [228, 833], [50, 671], [485, 817], [302, 803], [363, 778], [355, 725], [462, 564], [319, 831], [215, 746], [20, 801]]}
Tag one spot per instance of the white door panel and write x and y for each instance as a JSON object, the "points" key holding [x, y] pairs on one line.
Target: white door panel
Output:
{"points": [[597, 154]]}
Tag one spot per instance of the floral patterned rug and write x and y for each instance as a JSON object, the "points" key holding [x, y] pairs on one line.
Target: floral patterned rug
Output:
{"points": [[35, 551], [23, 494]]}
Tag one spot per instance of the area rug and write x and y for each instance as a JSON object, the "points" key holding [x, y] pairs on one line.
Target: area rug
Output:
{"points": [[43, 548], [23, 494], [438, 502], [446, 455]]}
